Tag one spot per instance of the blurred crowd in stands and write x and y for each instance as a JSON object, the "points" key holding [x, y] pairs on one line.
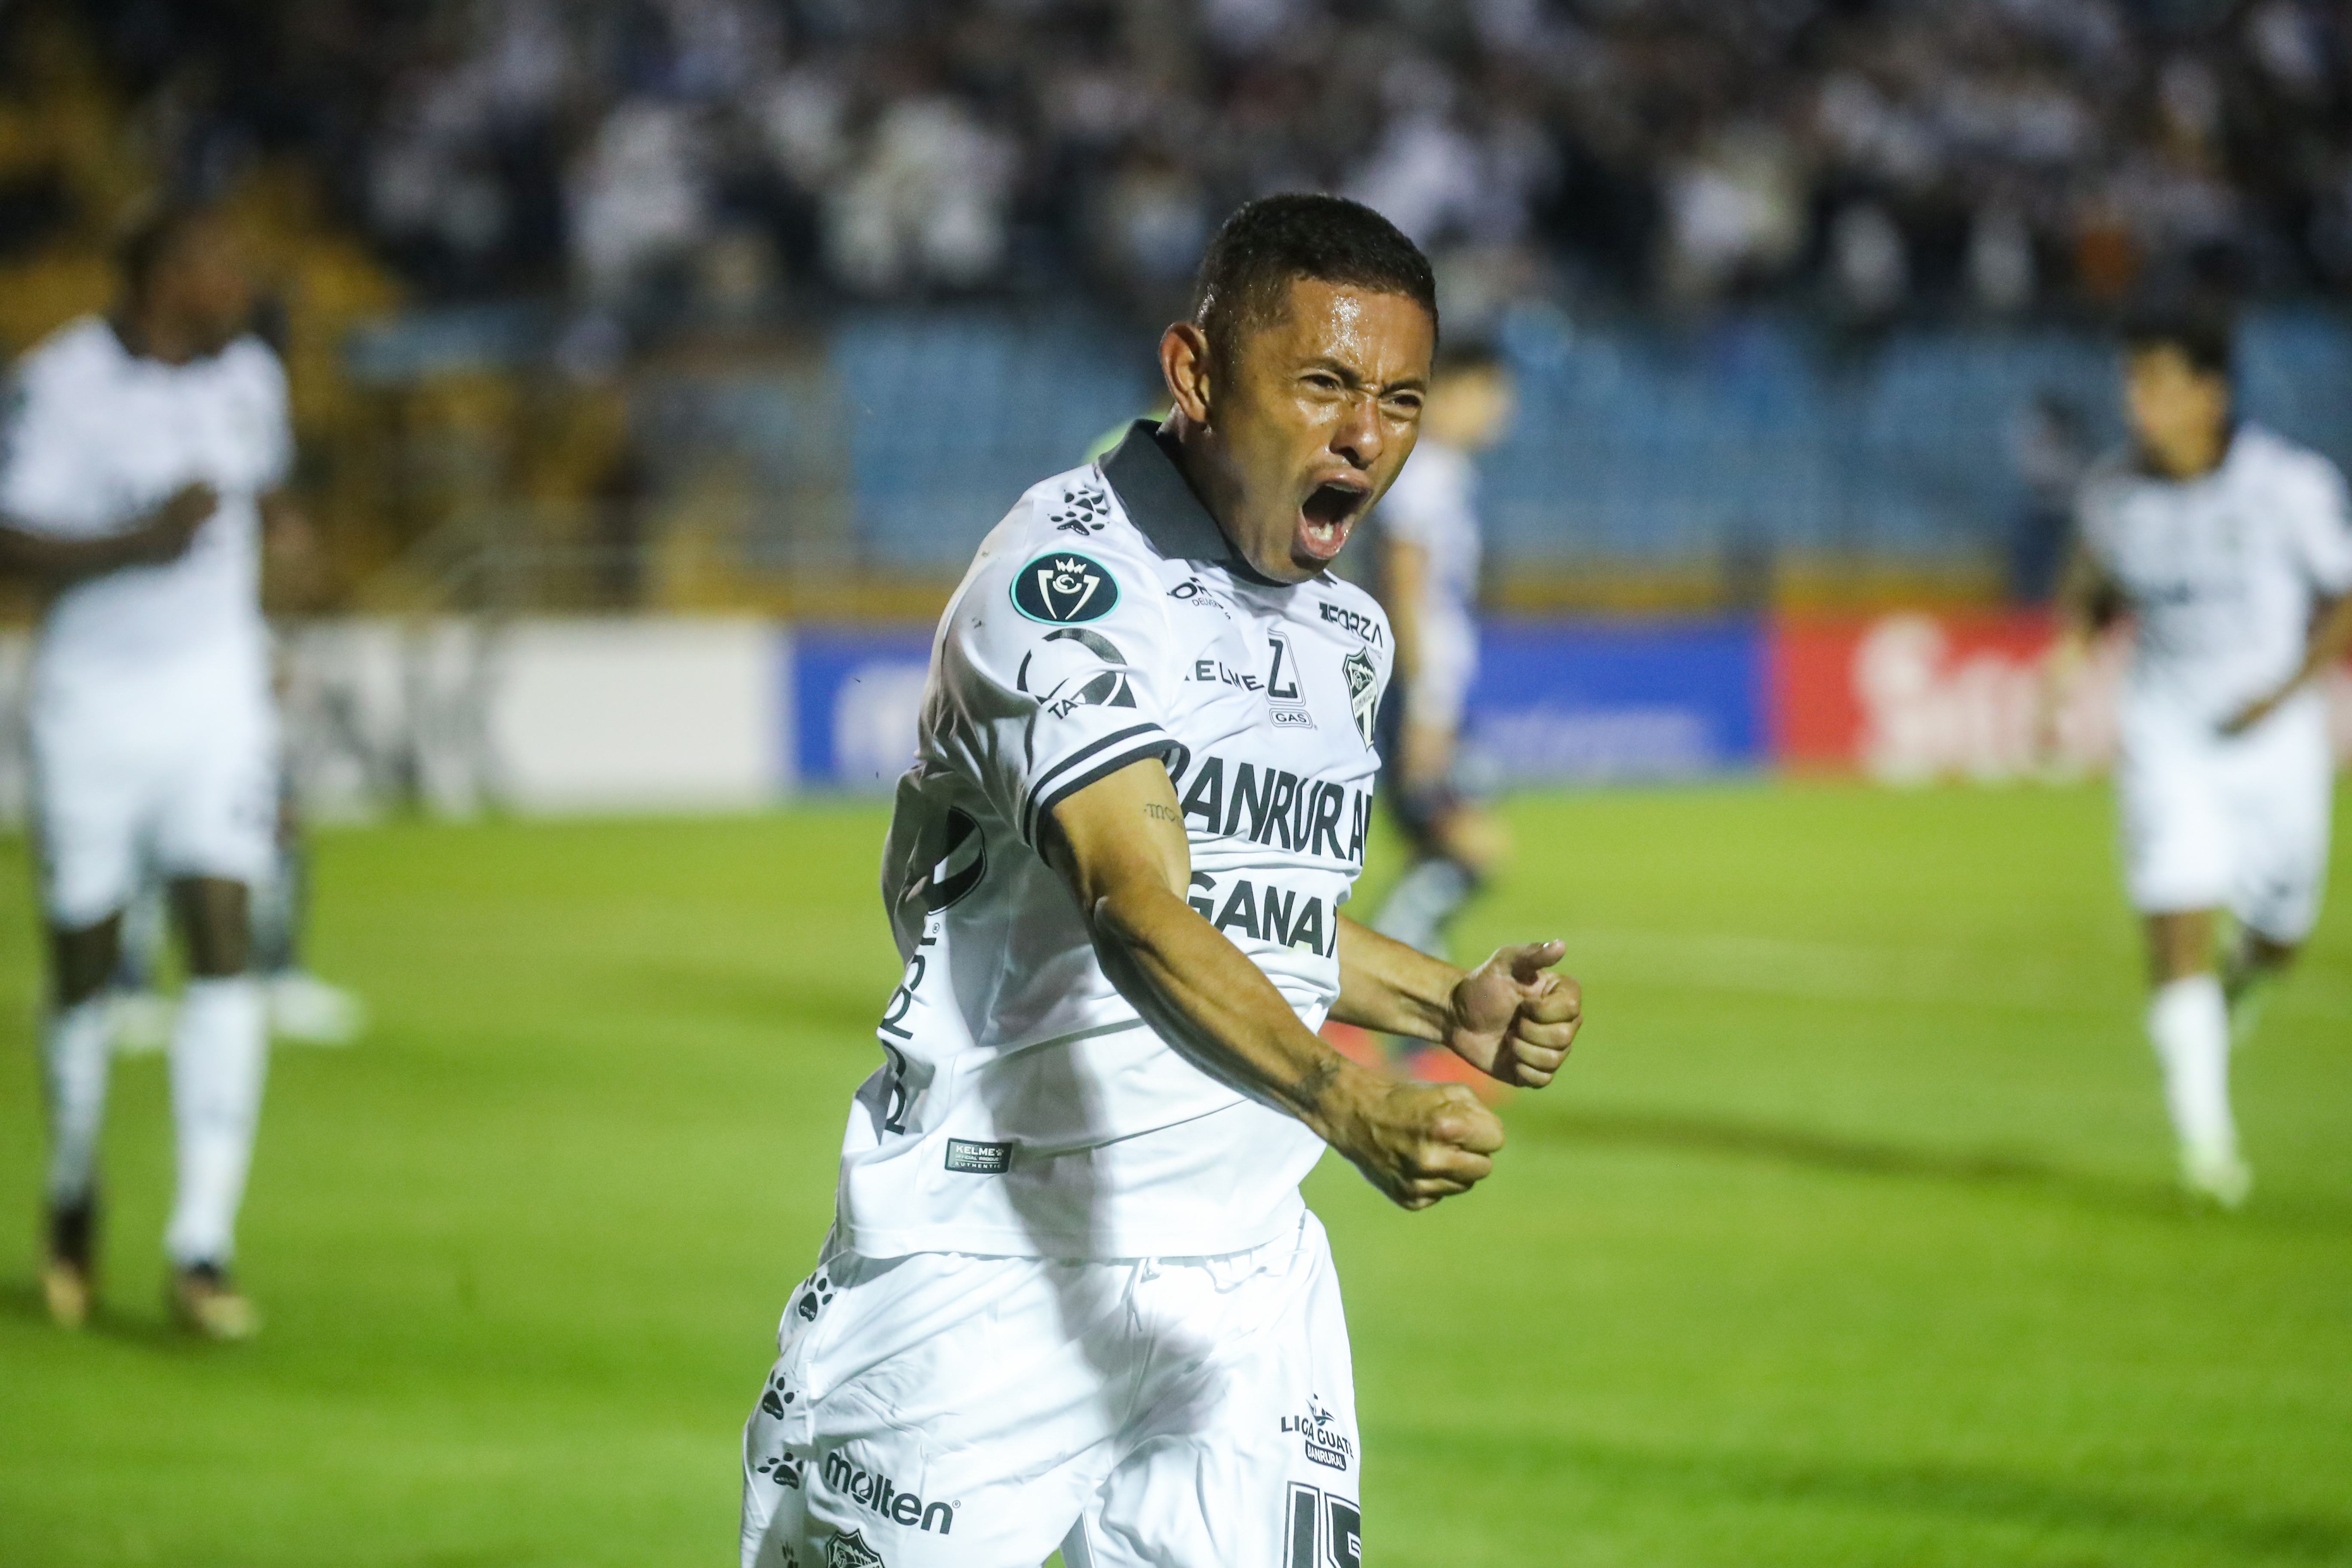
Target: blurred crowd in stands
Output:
{"points": [[1869, 158], [512, 247]]}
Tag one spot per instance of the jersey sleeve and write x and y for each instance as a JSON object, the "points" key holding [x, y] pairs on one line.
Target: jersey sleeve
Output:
{"points": [[1419, 508], [2320, 514], [41, 487], [1055, 673]]}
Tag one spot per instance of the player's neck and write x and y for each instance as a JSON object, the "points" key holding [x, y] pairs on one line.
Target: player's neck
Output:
{"points": [[2191, 457], [156, 335]]}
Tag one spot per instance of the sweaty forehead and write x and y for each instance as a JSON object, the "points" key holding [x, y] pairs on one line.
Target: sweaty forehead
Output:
{"points": [[1385, 334]]}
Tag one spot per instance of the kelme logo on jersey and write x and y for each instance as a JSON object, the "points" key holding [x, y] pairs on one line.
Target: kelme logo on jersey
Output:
{"points": [[878, 1494], [1063, 587], [1363, 692]]}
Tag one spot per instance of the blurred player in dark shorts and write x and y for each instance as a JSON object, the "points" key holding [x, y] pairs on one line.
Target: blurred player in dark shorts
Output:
{"points": [[1428, 583]]}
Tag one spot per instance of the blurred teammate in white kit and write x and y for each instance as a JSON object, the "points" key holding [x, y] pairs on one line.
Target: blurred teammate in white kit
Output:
{"points": [[2231, 551], [1428, 584], [154, 736]]}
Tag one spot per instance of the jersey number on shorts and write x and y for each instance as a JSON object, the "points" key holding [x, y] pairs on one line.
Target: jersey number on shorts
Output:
{"points": [[1332, 1523]]}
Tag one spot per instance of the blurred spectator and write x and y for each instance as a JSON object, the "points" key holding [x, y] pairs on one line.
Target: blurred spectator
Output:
{"points": [[1880, 156], [923, 202], [637, 196]]}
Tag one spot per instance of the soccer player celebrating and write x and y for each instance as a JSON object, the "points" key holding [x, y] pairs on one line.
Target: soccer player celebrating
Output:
{"points": [[1428, 531], [2231, 550], [151, 728], [1071, 1296]]}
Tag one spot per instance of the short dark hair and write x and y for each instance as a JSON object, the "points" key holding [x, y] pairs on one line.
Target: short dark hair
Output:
{"points": [[1244, 280], [154, 236], [2204, 331]]}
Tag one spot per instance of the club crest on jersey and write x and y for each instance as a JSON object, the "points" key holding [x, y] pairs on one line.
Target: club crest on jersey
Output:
{"points": [[1062, 588], [1363, 691], [850, 1550]]}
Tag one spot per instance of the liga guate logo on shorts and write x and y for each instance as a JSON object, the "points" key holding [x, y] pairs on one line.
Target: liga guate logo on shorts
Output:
{"points": [[1062, 588], [1363, 691], [1326, 1444]]}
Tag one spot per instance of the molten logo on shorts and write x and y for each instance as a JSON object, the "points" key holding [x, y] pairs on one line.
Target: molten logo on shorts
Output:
{"points": [[878, 1494]]}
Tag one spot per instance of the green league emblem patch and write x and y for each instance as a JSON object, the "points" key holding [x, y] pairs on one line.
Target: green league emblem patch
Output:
{"points": [[1062, 588]]}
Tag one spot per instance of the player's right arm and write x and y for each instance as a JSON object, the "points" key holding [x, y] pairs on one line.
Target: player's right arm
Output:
{"points": [[1120, 844], [160, 536], [2086, 600]]}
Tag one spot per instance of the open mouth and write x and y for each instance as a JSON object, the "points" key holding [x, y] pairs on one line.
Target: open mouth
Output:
{"points": [[1325, 517]]}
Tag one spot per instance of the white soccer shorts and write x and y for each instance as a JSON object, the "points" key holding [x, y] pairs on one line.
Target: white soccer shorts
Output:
{"points": [[946, 1409], [183, 782], [2239, 824]]}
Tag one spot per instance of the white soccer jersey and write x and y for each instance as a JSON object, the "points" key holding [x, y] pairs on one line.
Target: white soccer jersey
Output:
{"points": [[1433, 504], [97, 437], [2223, 572], [1024, 1108]]}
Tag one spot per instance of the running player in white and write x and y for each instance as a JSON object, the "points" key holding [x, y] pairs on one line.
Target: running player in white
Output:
{"points": [[2231, 551], [1427, 528], [1072, 1298], [152, 734]]}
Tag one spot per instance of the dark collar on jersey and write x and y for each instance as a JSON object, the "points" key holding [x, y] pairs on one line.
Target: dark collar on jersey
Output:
{"points": [[1161, 503]]}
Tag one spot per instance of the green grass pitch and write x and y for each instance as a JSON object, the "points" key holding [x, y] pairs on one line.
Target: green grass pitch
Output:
{"points": [[1847, 1238]]}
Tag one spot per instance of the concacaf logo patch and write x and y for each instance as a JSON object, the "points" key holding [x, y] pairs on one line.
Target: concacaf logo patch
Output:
{"points": [[1062, 588]]}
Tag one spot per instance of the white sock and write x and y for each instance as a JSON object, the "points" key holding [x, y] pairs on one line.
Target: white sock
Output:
{"points": [[219, 1057], [76, 1046], [1420, 903], [2189, 1024]]}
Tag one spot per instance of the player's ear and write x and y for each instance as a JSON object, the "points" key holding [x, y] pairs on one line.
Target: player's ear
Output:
{"points": [[1184, 361]]}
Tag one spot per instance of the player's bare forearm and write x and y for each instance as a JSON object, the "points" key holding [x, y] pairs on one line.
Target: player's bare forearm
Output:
{"points": [[1120, 845], [158, 537], [2331, 639], [1395, 989], [2079, 609], [1405, 571]]}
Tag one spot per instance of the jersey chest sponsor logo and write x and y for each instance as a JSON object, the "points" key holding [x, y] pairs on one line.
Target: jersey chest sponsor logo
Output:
{"points": [[879, 1495], [1272, 805], [1062, 588], [1265, 912], [1286, 705], [1354, 622]]}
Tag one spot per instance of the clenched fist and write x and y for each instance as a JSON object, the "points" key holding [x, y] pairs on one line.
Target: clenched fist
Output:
{"points": [[1513, 1020], [1417, 1142]]}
